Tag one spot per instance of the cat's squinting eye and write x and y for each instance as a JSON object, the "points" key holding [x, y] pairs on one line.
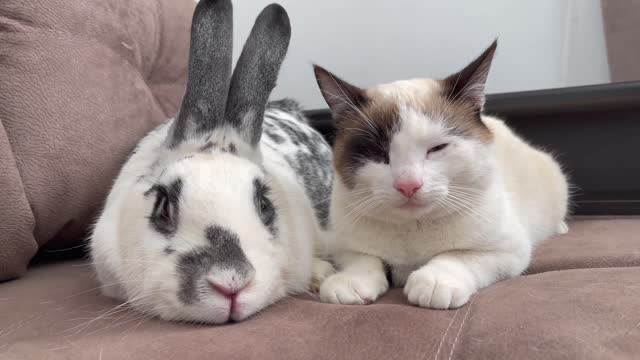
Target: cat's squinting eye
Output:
{"points": [[437, 148]]}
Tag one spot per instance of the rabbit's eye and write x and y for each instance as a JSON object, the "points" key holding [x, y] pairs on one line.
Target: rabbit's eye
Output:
{"points": [[164, 215], [165, 209], [264, 206]]}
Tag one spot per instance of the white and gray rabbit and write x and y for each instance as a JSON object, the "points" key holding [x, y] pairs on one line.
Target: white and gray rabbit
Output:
{"points": [[217, 213]]}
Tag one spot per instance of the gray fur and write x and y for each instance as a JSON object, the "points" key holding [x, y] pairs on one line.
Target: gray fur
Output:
{"points": [[264, 206], [271, 131], [205, 99], [166, 197], [289, 106], [308, 154], [256, 72], [223, 252]]}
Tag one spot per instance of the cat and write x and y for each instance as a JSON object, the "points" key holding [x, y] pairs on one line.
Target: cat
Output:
{"points": [[446, 198]]}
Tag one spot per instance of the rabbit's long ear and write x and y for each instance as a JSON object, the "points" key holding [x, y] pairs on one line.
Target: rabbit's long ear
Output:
{"points": [[256, 73], [203, 105]]}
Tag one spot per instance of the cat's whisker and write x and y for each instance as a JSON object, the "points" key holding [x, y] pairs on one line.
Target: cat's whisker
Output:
{"points": [[470, 208], [357, 211], [347, 196], [457, 208], [466, 189], [355, 207], [364, 211], [477, 196], [473, 199], [353, 129], [357, 216]]}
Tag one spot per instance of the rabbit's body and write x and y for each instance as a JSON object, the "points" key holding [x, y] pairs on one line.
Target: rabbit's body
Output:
{"points": [[297, 165], [216, 213]]}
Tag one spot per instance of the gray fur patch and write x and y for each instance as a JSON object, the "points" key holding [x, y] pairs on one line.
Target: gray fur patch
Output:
{"points": [[165, 215], [271, 131], [317, 181], [308, 154], [264, 206], [289, 106], [222, 252], [207, 147]]}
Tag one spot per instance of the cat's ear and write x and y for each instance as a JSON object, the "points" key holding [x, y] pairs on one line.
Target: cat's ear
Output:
{"points": [[339, 94], [467, 85]]}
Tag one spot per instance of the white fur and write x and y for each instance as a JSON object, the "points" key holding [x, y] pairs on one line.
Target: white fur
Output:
{"points": [[474, 222], [128, 254], [406, 90]]}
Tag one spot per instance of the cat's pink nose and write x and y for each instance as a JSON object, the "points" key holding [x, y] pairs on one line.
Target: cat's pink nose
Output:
{"points": [[407, 187]]}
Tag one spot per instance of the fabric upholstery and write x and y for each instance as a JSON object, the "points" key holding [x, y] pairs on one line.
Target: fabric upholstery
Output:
{"points": [[580, 300], [622, 29], [80, 83]]}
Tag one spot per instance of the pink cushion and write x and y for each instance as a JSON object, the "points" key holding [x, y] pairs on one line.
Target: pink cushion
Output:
{"points": [[80, 83]]}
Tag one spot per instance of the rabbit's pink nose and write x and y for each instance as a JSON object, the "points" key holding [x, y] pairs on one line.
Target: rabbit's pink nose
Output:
{"points": [[408, 186], [230, 282], [230, 291]]}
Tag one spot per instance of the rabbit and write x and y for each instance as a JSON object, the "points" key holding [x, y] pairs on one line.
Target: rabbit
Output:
{"points": [[223, 210]]}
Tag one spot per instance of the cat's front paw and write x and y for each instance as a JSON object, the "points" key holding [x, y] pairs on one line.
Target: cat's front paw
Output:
{"points": [[321, 270], [434, 289], [353, 289]]}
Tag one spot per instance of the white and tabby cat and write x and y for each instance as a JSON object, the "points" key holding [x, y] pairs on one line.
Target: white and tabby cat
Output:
{"points": [[451, 200]]}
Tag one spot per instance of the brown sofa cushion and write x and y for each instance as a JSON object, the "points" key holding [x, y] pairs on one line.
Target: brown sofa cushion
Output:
{"points": [[574, 307], [80, 83]]}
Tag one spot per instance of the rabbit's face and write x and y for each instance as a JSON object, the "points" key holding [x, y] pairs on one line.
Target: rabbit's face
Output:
{"points": [[210, 245]]}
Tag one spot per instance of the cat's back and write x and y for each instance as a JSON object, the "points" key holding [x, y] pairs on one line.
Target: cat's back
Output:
{"points": [[534, 180]]}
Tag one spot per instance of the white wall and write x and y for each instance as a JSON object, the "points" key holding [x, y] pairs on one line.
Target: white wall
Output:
{"points": [[542, 43], [586, 60]]}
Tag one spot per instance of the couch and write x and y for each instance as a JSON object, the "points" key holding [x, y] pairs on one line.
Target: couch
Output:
{"points": [[580, 299], [80, 82]]}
